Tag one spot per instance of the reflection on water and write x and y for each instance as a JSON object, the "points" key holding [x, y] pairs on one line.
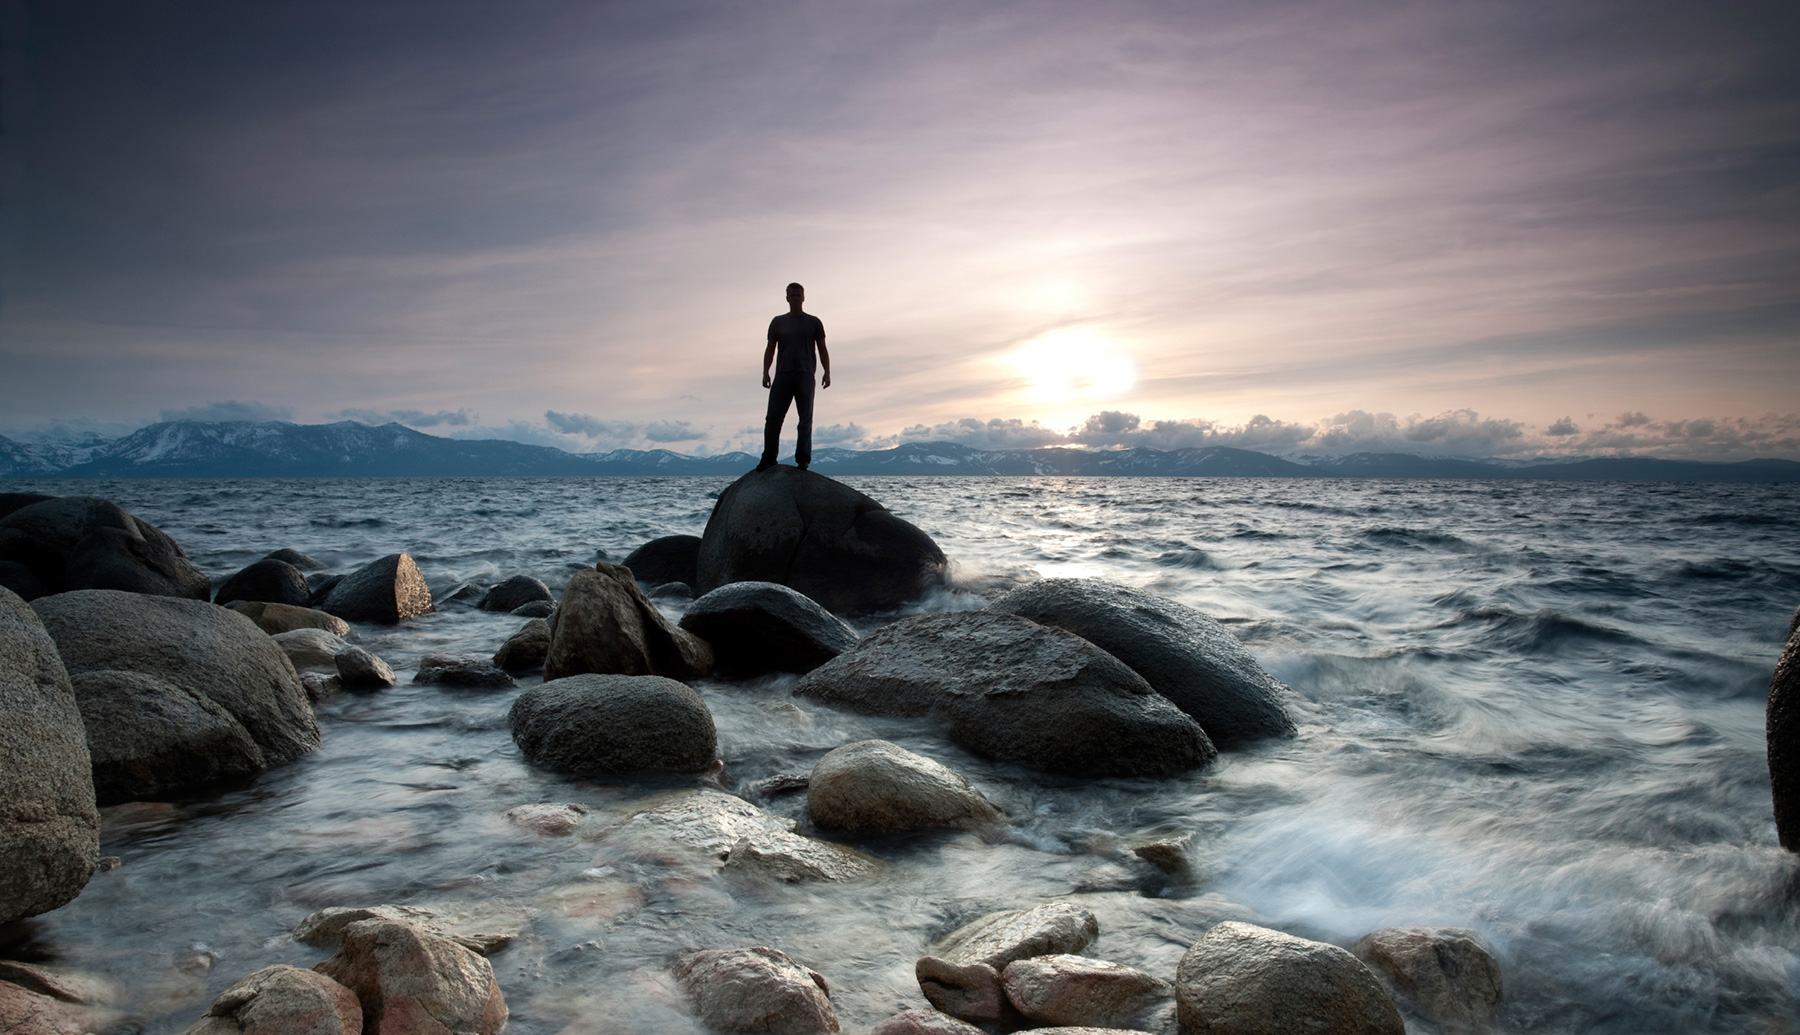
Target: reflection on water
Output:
{"points": [[1533, 709]]}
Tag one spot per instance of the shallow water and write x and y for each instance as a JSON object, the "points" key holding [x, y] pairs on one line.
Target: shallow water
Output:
{"points": [[1534, 709]]}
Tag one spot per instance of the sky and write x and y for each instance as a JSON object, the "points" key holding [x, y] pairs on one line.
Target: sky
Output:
{"points": [[1450, 228]]}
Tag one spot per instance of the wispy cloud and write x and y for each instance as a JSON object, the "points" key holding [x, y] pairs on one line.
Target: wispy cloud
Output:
{"points": [[231, 410], [460, 418]]}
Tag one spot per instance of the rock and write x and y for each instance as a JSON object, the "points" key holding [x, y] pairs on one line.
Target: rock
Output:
{"points": [[361, 670], [49, 826], [295, 558], [282, 1000], [873, 786], [924, 1022], [21, 581], [275, 582], [11, 501], [322, 585], [319, 686], [707, 829], [525, 649], [821, 537], [204, 651], [1014, 690], [515, 593], [27, 1012], [83, 542], [69, 986], [595, 725], [468, 671], [1783, 731], [758, 989], [1182, 653], [672, 591], [150, 738], [389, 590], [280, 618], [961, 975], [1448, 974], [1241, 979], [463, 593], [605, 625], [483, 930], [412, 982], [546, 818], [672, 558], [535, 609], [1075, 990], [1168, 854], [311, 648], [757, 627]]}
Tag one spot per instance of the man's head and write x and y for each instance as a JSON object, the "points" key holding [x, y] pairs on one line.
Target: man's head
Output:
{"points": [[795, 294]]}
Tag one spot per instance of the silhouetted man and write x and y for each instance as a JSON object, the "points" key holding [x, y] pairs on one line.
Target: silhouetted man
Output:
{"points": [[796, 335]]}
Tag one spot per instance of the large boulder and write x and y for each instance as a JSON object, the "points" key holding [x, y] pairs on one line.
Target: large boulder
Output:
{"points": [[186, 650], [151, 738], [1783, 730], [282, 1000], [873, 786], [311, 648], [1446, 974], [271, 581], [413, 982], [961, 975], [1014, 690], [1075, 990], [49, 827], [757, 627], [595, 725], [389, 590], [279, 618], [84, 542], [818, 536], [1182, 653], [605, 625], [673, 558], [295, 558], [756, 990], [525, 649], [515, 593], [1241, 979]]}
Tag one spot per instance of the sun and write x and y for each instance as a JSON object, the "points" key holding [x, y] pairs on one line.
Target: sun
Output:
{"points": [[1073, 366]]}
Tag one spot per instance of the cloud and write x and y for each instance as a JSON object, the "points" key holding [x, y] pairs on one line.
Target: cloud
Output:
{"points": [[993, 434], [582, 424], [1564, 427], [460, 418], [231, 410], [622, 433], [850, 435], [672, 431], [1702, 438]]}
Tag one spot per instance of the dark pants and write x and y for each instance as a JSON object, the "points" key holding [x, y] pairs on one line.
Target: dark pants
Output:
{"points": [[789, 387]]}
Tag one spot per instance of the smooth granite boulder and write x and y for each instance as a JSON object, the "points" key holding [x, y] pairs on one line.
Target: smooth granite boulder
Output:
{"points": [[388, 591], [1783, 731], [275, 582], [151, 738], [11, 501], [1448, 975], [525, 649], [279, 618], [413, 982], [465, 671], [84, 542], [961, 973], [202, 649], [756, 990], [295, 558], [595, 725], [311, 648], [924, 1022], [821, 537], [1182, 653], [757, 627], [673, 558], [282, 1000], [360, 670], [876, 787], [605, 625], [1063, 989], [49, 827], [515, 593], [1241, 979], [1017, 691]]}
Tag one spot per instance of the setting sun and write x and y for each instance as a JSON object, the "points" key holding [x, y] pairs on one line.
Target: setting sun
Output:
{"points": [[1074, 366]]}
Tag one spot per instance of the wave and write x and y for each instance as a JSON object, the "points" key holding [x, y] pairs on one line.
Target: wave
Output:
{"points": [[1196, 559], [1538, 631], [370, 522], [1416, 539]]}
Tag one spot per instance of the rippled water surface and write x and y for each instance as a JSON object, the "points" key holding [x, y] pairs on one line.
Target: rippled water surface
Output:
{"points": [[1534, 709]]}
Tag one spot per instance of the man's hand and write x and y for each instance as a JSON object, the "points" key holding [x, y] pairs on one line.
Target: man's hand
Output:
{"points": [[766, 382], [827, 382]]}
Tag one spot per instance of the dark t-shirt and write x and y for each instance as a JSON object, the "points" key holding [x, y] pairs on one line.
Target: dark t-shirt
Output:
{"points": [[793, 335]]}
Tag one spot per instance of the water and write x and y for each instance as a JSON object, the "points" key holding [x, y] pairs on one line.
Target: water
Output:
{"points": [[1533, 709]]}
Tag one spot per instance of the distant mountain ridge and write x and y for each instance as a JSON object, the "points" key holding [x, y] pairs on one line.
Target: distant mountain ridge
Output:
{"points": [[351, 449]]}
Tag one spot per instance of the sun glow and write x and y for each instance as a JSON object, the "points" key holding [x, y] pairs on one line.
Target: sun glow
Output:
{"points": [[1073, 366]]}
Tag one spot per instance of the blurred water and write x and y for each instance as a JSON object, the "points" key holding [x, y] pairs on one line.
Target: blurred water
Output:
{"points": [[1530, 708]]}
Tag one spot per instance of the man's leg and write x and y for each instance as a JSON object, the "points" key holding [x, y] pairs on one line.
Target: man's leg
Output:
{"points": [[803, 409], [780, 394]]}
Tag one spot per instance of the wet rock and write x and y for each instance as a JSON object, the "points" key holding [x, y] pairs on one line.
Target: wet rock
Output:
{"points": [[275, 582], [757, 627], [151, 738], [319, 686], [924, 1022], [1447, 974], [598, 724], [11, 501], [25, 1012], [670, 559], [463, 593], [480, 929], [873, 786], [525, 649], [1182, 653], [970, 991], [203, 650], [672, 591], [360, 670], [282, 1000], [83, 542], [547, 818], [1782, 721], [705, 829], [322, 585], [515, 593], [1017, 691], [1075, 990], [1245, 980], [389, 590], [1168, 854], [605, 625], [280, 618], [295, 558], [311, 648], [757, 989], [821, 537], [412, 982], [535, 609], [60, 983], [961, 975], [49, 826], [467, 671]]}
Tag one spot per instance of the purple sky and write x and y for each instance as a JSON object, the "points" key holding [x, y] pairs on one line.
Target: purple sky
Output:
{"points": [[1454, 228]]}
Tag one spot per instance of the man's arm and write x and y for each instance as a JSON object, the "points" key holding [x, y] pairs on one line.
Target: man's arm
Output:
{"points": [[768, 358], [824, 363]]}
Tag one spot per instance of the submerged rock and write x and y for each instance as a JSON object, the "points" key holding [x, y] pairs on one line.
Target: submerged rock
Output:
{"points": [[1447, 974], [672, 558], [515, 593], [282, 1000], [1014, 690], [525, 649], [275, 582], [757, 627], [467, 671], [483, 929], [1783, 735], [714, 831], [595, 725], [756, 990], [1182, 653], [547, 818], [873, 786], [388, 591], [412, 982], [55, 545], [49, 826], [821, 537], [605, 625], [1076, 990], [1241, 979], [280, 618]]}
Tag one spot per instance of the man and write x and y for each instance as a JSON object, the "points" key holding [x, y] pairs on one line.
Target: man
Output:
{"points": [[796, 334]]}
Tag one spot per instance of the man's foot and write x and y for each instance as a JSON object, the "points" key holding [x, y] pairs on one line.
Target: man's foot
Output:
{"points": [[765, 465], [803, 466]]}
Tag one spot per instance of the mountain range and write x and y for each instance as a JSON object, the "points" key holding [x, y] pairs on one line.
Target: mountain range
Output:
{"points": [[350, 449]]}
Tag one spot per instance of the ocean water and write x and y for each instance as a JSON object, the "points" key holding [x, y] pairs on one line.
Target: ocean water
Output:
{"points": [[1532, 709]]}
